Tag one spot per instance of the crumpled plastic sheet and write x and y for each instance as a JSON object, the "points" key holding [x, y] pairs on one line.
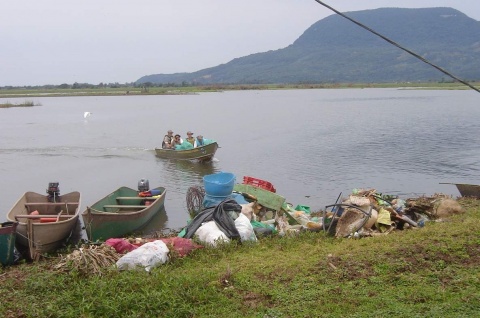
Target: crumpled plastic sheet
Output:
{"points": [[147, 257]]}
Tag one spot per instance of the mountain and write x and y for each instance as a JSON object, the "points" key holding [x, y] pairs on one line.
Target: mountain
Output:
{"points": [[335, 50]]}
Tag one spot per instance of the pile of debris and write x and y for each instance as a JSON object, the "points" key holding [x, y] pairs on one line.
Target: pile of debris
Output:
{"points": [[366, 212]]}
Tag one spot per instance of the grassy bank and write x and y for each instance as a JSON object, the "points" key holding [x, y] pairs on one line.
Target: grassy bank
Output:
{"points": [[179, 90], [23, 104], [427, 272]]}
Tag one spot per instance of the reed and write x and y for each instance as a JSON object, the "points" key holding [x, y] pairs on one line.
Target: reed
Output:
{"points": [[26, 103]]}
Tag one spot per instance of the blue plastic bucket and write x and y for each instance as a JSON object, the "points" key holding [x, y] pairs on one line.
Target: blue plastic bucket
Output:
{"points": [[219, 184]]}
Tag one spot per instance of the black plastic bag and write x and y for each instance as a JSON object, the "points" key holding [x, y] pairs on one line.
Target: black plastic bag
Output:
{"points": [[220, 214]]}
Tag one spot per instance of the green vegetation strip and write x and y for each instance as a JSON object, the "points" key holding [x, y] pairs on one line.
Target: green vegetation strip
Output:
{"points": [[159, 89], [24, 104], [429, 272]]}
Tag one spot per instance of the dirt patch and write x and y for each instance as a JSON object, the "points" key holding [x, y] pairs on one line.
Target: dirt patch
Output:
{"points": [[254, 300], [13, 274]]}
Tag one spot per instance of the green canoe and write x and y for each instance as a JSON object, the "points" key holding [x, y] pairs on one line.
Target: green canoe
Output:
{"points": [[121, 212], [202, 153]]}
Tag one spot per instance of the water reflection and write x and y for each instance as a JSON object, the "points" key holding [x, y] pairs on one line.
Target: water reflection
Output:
{"points": [[196, 168], [185, 173], [158, 222]]}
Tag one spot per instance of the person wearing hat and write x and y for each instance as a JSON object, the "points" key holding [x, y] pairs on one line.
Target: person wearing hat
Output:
{"points": [[167, 140], [199, 142], [177, 141], [190, 138]]}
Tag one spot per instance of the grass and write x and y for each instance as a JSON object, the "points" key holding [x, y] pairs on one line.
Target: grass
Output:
{"points": [[427, 272], [24, 104]]}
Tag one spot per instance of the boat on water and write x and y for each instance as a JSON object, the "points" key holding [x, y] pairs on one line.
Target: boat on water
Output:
{"points": [[467, 190], [202, 153], [45, 222], [121, 212]]}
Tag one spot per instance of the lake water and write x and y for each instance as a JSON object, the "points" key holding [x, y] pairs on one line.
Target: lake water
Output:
{"points": [[311, 144]]}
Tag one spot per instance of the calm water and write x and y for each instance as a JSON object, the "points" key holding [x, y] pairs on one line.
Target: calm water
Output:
{"points": [[311, 144]]}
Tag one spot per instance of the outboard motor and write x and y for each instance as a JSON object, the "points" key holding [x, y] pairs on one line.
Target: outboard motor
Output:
{"points": [[53, 191], [143, 185]]}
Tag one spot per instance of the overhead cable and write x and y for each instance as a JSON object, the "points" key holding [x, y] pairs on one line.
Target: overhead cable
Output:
{"points": [[399, 46]]}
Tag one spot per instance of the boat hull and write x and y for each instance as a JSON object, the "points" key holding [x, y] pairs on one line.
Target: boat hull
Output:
{"points": [[264, 197], [468, 190], [120, 213], [203, 153], [41, 237]]}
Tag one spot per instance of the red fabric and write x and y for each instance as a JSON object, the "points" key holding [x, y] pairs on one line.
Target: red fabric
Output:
{"points": [[181, 245], [120, 245]]}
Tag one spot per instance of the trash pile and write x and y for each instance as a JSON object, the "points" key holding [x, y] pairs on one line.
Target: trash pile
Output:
{"points": [[223, 211], [365, 212], [123, 253]]}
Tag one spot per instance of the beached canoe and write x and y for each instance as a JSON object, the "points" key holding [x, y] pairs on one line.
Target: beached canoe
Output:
{"points": [[202, 153], [121, 212], [44, 225], [467, 190]]}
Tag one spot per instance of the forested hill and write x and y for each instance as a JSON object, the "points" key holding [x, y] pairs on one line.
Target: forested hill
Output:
{"points": [[335, 50]]}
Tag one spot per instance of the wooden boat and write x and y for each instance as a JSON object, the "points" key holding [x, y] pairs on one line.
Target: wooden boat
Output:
{"points": [[202, 153], [50, 224], [467, 190], [121, 212], [264, 197]]}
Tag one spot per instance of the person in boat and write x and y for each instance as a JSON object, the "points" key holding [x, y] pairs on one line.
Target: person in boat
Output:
{"points": [[190, 138], [199, 142], [167, 140], [177, 140]]}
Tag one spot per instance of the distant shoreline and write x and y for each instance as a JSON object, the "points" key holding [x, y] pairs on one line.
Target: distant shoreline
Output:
{"points": [[17, 92]]}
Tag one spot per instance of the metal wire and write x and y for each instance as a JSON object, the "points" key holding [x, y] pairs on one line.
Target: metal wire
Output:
{"points": [[397, 45]]}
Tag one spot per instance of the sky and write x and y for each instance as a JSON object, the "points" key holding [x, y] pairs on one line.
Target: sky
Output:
{"points": [[107, 41]]}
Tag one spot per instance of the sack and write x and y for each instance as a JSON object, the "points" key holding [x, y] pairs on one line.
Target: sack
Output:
{"points": [[221, 215], [147, 256], [244, 228], [210, 234]]}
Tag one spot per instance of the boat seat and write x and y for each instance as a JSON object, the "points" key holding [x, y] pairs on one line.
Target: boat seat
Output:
{"points": [[135, 198], [28, 216], [114, 206], [51, 203]]}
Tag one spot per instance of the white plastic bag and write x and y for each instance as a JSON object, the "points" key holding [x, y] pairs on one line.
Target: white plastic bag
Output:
{"points": [[245, 228], [147, 256], [209, 233]]}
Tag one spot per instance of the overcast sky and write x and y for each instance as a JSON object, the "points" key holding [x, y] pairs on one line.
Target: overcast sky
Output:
{"points": [[94, 41]]}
